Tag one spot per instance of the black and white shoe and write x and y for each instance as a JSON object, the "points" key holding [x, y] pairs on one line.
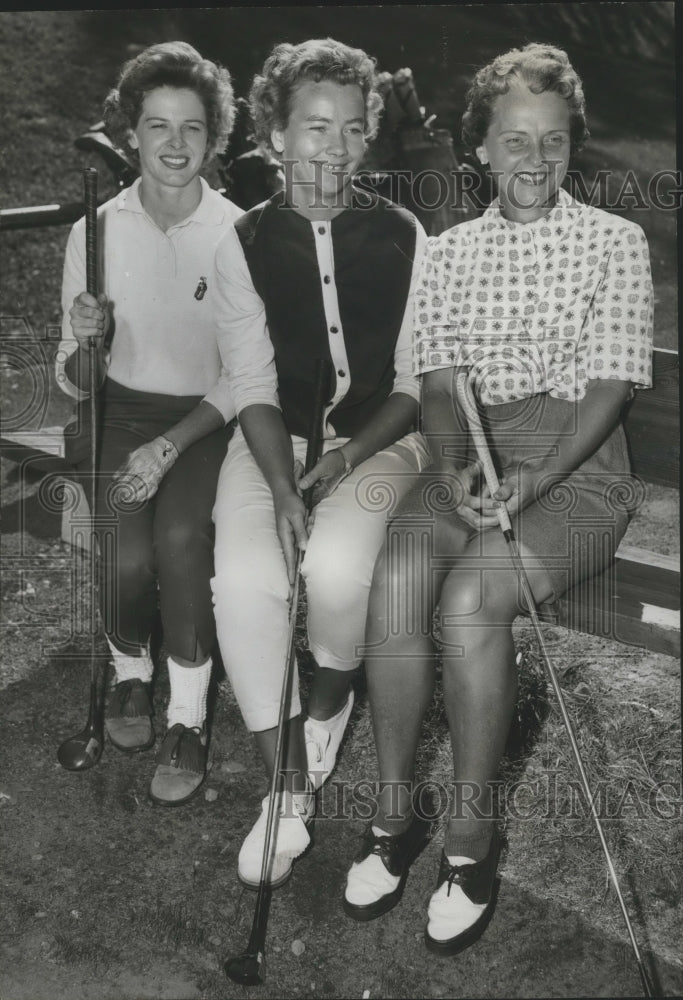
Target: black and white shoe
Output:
{"points": [[377, 877], [463, 902]]}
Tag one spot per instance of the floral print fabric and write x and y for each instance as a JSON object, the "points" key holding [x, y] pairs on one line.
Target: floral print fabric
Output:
{"points": [[537, 307]]}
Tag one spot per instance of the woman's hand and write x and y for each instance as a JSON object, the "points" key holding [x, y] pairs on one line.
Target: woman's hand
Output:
{"points": [[141, 475], [325, 476], [517, 493], [89, 319], [290, 521], [476, 508]]}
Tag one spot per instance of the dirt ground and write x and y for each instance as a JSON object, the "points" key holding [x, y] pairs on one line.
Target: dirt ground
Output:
{"points": [[105, 896]]}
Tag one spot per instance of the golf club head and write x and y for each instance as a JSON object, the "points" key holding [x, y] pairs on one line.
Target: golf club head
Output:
{"points": [[82, 751], [249, 968]]}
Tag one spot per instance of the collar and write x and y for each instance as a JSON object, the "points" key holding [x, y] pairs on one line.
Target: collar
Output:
{"points": [[360, 200], [207, 213], [561, 214]]}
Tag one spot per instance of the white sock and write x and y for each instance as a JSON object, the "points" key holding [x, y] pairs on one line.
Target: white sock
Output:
{"points": [[129, 668], [304, 802], [189, 686]]}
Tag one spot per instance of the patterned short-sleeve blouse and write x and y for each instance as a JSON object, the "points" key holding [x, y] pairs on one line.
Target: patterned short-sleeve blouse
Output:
{"points": [[537, 307]]}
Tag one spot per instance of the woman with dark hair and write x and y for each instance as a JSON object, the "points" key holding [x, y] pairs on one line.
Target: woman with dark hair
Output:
{"points": [[546, 304], [166, 413], [323, 270]]}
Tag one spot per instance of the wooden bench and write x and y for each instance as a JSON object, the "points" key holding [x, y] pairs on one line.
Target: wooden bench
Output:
{"points": [[636, 602]]}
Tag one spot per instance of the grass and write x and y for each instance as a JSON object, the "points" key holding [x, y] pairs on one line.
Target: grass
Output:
{"points": [[629, 737], [630, 751], [625, 704]]}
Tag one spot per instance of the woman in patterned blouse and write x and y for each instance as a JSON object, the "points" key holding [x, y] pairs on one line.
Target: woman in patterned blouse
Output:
{"points": [[547, 304]]}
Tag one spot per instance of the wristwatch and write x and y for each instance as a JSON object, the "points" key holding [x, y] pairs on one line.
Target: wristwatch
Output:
{"points": [[168, 449]]}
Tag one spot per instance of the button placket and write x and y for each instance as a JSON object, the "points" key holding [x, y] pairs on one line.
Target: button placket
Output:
{"points": [[325, 255]]}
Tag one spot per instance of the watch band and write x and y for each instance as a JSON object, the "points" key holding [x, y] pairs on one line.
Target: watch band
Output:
{"points": [[168, 449]]}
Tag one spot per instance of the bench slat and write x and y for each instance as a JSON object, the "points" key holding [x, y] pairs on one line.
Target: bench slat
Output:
{"points": [[635, 603], [652, 424]]}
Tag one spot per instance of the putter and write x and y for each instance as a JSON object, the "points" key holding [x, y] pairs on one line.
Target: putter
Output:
{"points": [[465, 394], [83, 751], [249, 968]]}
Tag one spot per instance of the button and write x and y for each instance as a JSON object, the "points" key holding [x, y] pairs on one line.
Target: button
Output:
{"points": [[322, 230], [559, 378], [557, 358], [334, 329], [341, 373], [327, 279]]}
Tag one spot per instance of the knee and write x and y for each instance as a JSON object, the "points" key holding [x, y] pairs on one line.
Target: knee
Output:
{"points": [[133, 568], [403, 566], [242, 583], [477, 597], [183, 535], [334, 568]]}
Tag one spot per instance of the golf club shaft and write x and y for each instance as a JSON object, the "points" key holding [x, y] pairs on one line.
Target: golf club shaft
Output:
{"points": [[313, 450], [90, 198], [83, 750], [97, 676], [466, 397]]}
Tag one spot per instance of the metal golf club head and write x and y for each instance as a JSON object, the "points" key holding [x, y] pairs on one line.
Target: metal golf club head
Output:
{"points": [[248, 969], [82, 751]]}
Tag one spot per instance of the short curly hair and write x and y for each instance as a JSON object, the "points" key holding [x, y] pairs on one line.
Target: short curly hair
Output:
{"points": [[542, 68], [317, 59], [170, 64]]}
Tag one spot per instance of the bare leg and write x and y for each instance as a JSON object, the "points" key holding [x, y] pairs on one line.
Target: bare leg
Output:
{"points": [[478, 607], [199, 660], [294, 763], [400, 655], [329, 691]]}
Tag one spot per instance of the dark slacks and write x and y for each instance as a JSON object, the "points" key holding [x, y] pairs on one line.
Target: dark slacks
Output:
{"points": [[159, 552]]}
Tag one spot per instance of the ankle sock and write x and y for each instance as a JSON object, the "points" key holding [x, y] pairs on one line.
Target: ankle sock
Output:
{"points": [[473, 846], [129, 668], [189, 687], [392, 828]]}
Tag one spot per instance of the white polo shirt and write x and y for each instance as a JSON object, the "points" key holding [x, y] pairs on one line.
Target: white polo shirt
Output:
{"points": [[160, 286]]}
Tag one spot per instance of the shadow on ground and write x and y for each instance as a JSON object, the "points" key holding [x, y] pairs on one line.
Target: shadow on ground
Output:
{"points": [[110, 897]]}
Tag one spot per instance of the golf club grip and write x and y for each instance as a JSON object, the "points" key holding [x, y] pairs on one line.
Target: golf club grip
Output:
{"points": [[90, 199], [469, 405], [315, 433]]}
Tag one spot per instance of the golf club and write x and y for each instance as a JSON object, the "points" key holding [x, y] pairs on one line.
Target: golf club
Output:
{"points": [[249, 968], [83, 751], [465, 395]]}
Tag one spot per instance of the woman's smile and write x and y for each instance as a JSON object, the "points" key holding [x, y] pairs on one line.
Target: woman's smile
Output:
{"points": [[527, 150]]}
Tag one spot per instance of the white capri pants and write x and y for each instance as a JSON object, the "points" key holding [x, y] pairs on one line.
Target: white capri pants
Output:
{"points": [[250, 586]]}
